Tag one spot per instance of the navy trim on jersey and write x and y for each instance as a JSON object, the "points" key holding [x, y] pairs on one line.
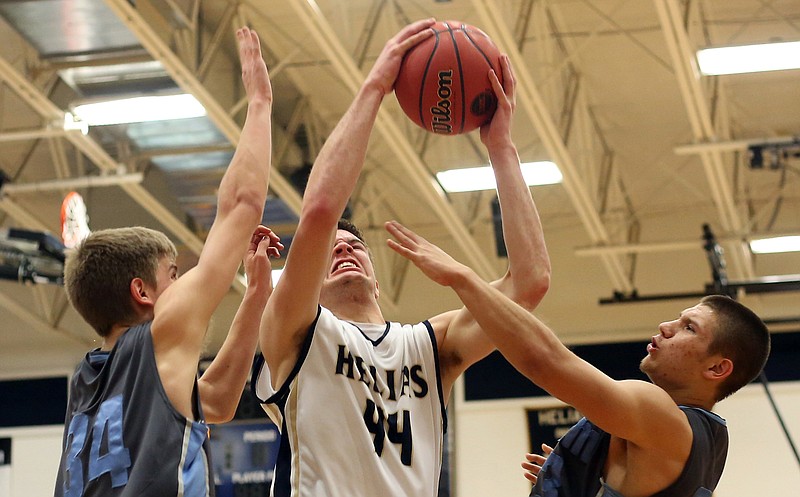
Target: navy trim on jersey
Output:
{"points": [[258, 363], [438, 373], [97, 358], [712, 415], [283, 465], [374, 343], [279, 398], [283, 462]]}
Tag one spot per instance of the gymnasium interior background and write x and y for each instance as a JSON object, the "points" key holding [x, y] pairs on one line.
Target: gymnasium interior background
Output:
{"points": [[667, 176]]}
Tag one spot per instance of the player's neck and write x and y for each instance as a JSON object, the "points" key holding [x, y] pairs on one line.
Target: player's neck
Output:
{"points": [[357, 312], [118, 330], [692, 399], [111, 339], [352, 301]]}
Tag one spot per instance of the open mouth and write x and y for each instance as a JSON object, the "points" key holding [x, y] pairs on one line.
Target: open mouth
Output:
{"points": [[344, 265]]}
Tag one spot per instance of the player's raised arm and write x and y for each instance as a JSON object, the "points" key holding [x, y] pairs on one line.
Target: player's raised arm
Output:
{"points": [[222, 383], [182, 313], [527, 279], [293, 305]]}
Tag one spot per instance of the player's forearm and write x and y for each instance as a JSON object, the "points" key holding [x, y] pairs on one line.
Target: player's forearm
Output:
{"points": [[222, 383], [341, 159], [246, 181], [529, 263], [524, 341]]}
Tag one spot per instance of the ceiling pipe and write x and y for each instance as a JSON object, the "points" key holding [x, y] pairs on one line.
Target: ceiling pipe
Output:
{"points": [[72, 183], [734, 145]]}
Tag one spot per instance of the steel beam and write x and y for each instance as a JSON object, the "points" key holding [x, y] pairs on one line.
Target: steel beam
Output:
{"points": [[186, 79], [534, 107], [702, 126], [21, 215], [89, 147], [38, 323]]}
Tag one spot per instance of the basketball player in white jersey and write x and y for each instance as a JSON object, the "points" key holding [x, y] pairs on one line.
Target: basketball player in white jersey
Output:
{"points": [[359, 401]]}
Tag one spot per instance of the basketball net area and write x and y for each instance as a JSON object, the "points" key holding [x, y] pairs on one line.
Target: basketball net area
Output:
{"points": [[74, 220]]}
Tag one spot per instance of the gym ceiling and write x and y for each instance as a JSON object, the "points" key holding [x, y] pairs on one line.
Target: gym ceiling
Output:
{"points": [[651, 152]]}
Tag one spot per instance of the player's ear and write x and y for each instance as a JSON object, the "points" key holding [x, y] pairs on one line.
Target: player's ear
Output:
{"points": [[140, 293], [720, 369]]}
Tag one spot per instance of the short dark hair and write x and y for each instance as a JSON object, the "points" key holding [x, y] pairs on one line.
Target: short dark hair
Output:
{"points": [[347, 225], [98, 273], [742, 337]]}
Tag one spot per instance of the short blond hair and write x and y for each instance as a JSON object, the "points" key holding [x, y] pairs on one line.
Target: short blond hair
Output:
{"points": [[98, 273]]}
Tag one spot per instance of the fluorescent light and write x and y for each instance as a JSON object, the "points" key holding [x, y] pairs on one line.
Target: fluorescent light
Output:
{"points": [[71, 124], [482, 178], [140, 109], [775, 245], [749, 58]]}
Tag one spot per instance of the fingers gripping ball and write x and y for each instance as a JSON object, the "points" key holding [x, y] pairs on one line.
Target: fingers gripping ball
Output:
{"points": [[443, 84]]}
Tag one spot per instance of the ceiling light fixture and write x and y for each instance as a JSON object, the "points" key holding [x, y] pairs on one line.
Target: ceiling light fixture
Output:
{"points": [[776, 245], [749, 58], [482, 178], [139, 109]]}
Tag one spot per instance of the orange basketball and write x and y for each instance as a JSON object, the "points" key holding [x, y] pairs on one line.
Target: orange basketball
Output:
{"points": [[443, 84]]}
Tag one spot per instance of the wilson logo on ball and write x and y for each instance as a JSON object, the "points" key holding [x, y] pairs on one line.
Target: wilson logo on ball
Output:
{"points": [[443, 85], [441, 121]]}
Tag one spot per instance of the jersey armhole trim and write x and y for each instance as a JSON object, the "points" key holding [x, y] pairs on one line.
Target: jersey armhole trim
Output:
{"points": [[435, 347], [283, 391]]}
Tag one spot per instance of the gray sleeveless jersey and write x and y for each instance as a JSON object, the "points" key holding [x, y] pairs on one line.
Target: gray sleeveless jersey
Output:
{"points": [[122, 435], [575, 468]]}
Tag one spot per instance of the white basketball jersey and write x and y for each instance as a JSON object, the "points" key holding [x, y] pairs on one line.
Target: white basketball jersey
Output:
{"points": [[361, 414]]}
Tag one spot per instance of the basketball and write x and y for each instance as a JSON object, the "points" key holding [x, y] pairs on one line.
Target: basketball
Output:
{"points": [[443, 84]]}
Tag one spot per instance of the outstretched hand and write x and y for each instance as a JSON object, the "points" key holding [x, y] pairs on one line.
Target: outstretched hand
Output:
{"points": [[498, 130], [254, 71], [263, 245], [434, 262], [534, 462], [387, 66]]}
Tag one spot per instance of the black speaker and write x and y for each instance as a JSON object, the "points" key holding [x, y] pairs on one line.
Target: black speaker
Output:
{"points": [[497, 221]]}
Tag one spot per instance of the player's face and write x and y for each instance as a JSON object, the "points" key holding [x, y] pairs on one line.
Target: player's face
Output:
{"points": [[350, 260], [679, 353]]}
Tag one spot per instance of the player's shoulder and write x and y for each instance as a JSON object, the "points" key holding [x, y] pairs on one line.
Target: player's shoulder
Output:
{"points": [[440, 323]]}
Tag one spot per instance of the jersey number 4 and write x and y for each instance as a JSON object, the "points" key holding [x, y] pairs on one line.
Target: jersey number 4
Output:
{"points": [[115, 460], [377, 423]]}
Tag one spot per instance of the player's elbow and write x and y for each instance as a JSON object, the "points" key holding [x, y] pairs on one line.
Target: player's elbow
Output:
{"points": [[216, 417], [245, 201], [217, 403], [320, 210], [217, 412], [534, 291], [529, 290]]}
